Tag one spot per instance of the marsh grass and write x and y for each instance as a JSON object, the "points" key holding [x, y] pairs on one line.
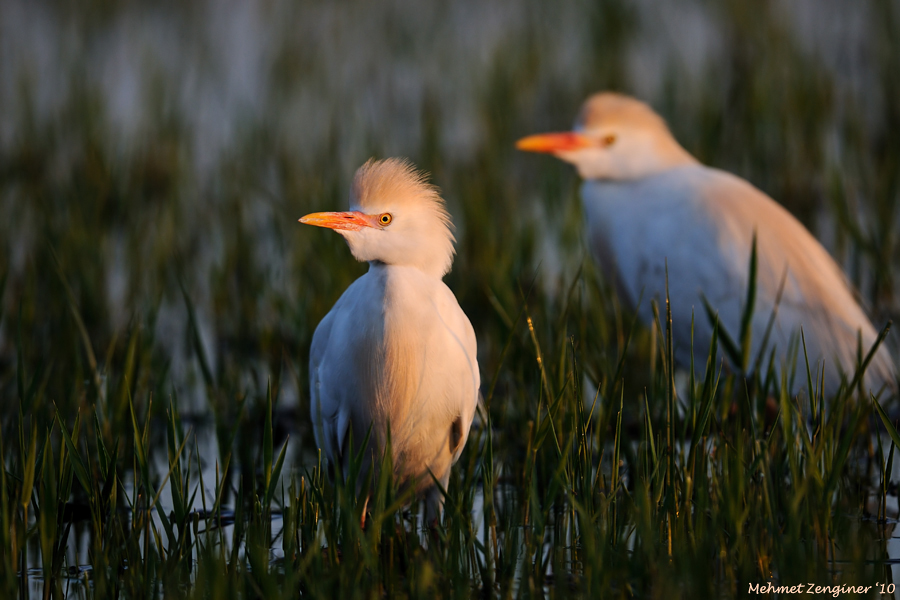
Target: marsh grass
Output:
{"points": [[155, 319], [578, 496]]}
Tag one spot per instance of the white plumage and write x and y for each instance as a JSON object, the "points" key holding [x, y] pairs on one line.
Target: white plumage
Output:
{"points": [[647, 202], [396, 350]]}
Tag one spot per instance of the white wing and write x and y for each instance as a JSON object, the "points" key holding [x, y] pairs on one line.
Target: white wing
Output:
{"points": [[702, 222], [333, 373], [466, 380]]}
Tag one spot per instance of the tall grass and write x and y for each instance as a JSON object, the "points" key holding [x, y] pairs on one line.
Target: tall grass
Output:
{"points": [[665, 496], [157, 300]]}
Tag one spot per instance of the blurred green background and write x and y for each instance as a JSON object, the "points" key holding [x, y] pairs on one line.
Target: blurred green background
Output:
{"points": [[154, 145], [155, 158]]}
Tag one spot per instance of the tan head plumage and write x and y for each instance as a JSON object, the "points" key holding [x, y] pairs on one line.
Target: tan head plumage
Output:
{"points": [[421, 231], [394, 179], [610, 108]]}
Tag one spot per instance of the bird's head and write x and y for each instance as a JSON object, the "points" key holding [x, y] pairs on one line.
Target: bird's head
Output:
{"points": [[396, 217], [615, 137]]}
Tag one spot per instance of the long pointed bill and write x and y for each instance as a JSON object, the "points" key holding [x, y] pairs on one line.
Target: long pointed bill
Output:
{"points": [[554, 142], [347, 221]]}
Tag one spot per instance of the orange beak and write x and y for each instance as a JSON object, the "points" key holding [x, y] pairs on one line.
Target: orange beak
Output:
{"points": [[554, 142], [347, 221]]}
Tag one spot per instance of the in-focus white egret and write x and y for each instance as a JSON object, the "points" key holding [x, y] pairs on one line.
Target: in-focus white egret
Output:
{"points": [[647, 201], [396, 350]]}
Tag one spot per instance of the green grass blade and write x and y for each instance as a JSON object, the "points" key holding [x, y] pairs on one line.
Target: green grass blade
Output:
{"points": [[728, 345], [275, 473], [746, 331], [79, 322], [810, 391], [28, 470], [860, 371], [771, 322], [20, 363], [195, 338], [886, 421], [267, 439], [81, 471], [840, 457]]}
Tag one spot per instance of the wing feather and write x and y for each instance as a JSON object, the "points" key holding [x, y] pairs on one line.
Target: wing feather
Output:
{"points": [[700, 222]]}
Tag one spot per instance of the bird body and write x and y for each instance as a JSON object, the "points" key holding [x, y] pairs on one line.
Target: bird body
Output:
{"points": [[649, 206], [410, 349], [396, 352]]}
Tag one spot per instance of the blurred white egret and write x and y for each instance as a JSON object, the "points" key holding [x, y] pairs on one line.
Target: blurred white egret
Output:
{"points": [[647, 201], [396, 350]]}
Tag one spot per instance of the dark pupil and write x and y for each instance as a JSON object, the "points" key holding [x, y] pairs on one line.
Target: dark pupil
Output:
{"points": [[384, 219]]}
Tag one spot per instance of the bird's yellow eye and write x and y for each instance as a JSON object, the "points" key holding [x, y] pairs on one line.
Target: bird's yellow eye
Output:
{"points": [[385, 219], [609, 140]]}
